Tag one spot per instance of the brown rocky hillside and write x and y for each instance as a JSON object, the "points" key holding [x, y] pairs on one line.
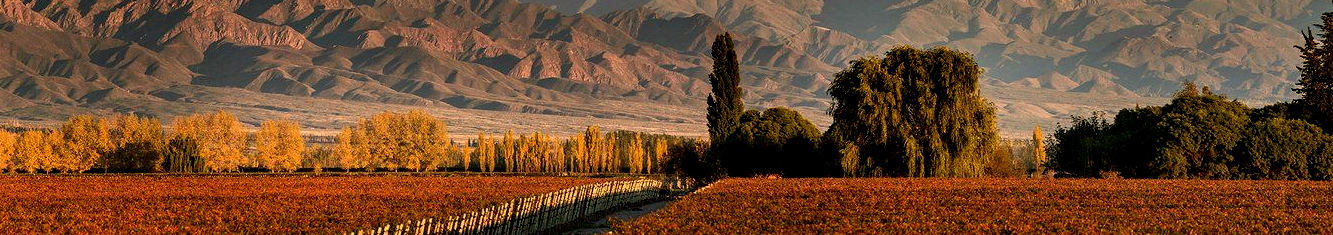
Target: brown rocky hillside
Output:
{"points": [[634, 61]]}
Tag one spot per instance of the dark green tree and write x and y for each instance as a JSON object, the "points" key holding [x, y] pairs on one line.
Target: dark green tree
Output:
{"points": [[1316, 82], [1279, 149], [689, 160], [1132, 142], [1321, 162], [1197, 134], [725, 103], [1085, 147], [777, 141], [912, 113], [182, 156]]}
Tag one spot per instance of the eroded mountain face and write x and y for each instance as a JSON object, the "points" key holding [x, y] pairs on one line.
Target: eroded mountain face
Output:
{"points": [[497, 55], [543, 57], [1125, 47]]}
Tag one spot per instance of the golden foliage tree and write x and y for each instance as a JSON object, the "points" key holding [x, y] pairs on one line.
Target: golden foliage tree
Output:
{"points": [[595, 149], [413, 140], [85, 140], [279, 145], [659, 154], [522, 153], [1038, 150], [32, 152], [7, 142], [507, 150], [346, 152], [465, 156], [611, 154], [578, 153], [556, 159], [138, 142], [219, 137], [485, 152], [635, 155]]}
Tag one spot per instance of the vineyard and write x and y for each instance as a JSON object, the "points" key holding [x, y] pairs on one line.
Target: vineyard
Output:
{"points": [[250, 205], [971, 206]]}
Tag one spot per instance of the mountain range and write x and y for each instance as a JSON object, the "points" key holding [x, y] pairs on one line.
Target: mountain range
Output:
{"points": [[641, 62]]}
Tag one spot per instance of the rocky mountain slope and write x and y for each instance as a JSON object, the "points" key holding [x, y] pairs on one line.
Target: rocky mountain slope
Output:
{"points": [[611, 59], [1123, 47]]}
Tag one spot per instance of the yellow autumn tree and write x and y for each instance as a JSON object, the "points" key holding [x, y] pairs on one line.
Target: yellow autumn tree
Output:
{"points": [[611, 154], [541, 152], [137, 142], [659, 154], [635, 155], [556, 159], [485, 152], [595, 149], [413, 140], [507, 150], [278, 145], [349, 151], [84, 140], [32, 152], [465, 156], [219, 137], [577, 153], [521, 152], [7, 142], [1038, 150]]}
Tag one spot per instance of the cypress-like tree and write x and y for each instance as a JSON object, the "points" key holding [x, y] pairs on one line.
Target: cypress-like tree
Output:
{"points": [[1316, 83], [724, 104]]}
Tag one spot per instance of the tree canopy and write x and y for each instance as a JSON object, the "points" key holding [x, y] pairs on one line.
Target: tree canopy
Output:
{"points": [[912, 113]]}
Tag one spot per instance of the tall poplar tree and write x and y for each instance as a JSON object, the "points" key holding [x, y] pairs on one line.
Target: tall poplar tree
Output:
{"points": [[724, 104]]}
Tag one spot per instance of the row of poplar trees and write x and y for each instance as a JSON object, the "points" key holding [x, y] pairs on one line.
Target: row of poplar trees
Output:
{"points": [[415, 141], [216, 142], [912, 112], [212, 142]]}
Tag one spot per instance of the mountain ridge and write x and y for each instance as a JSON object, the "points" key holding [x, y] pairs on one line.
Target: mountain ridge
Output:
{"points": [[585, 58]]}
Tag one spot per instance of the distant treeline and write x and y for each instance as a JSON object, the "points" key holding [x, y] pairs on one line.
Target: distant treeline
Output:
{"points": [[1199, 135], [411, 141]]}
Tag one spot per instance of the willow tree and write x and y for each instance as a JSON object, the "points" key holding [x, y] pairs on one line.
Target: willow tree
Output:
{"points": [[912, 113], [138, 141]]}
